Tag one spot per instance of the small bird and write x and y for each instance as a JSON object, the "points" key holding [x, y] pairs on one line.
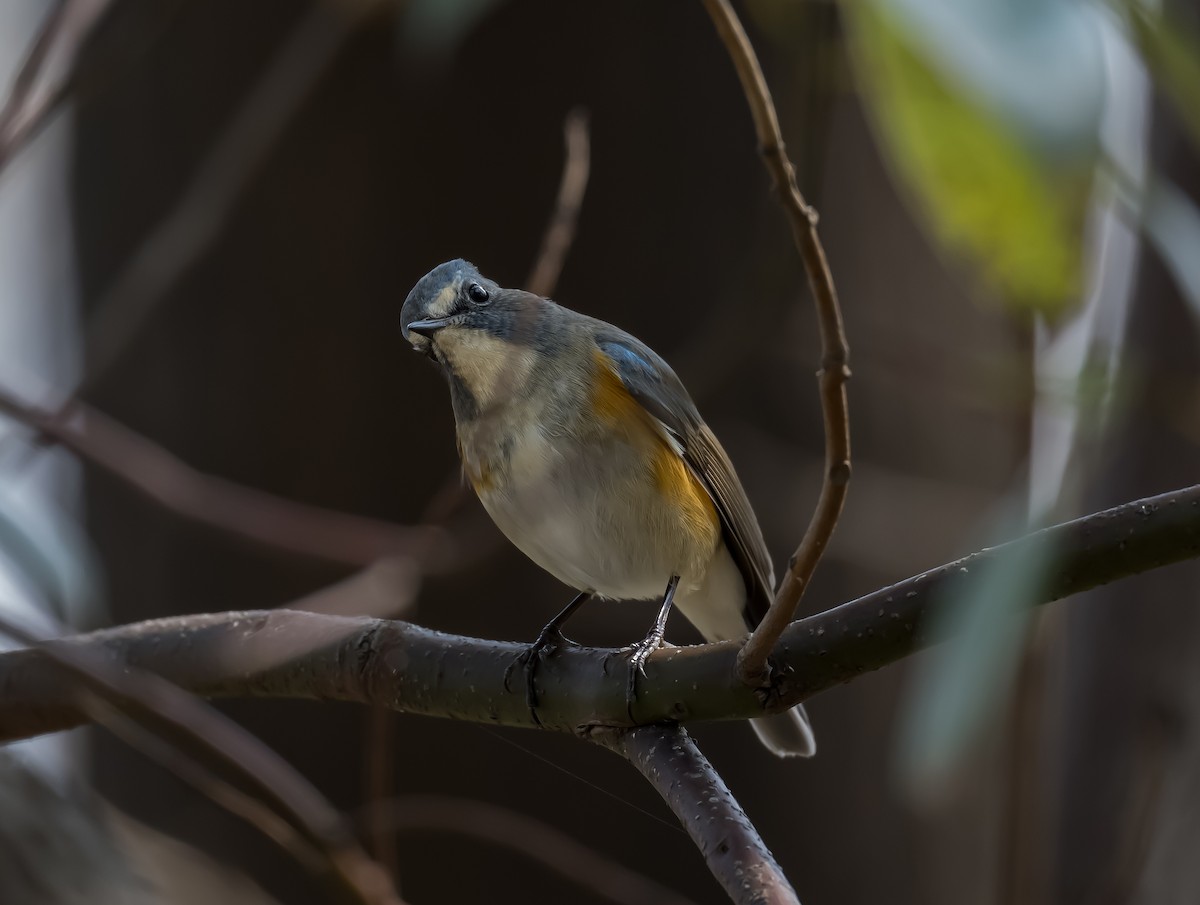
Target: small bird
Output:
{"points": [[589, 455]]}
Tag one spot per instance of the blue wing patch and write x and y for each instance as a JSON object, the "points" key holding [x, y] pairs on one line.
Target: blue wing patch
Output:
{"points": [[652, 383]]}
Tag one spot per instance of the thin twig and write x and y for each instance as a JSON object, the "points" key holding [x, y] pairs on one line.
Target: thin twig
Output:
{"points": [[47, 73], [525, 835], [203, 732], [244, 512], [835, 353], [730, 844], [282, 653], [560, 231], [190, 771], [557, 240]]}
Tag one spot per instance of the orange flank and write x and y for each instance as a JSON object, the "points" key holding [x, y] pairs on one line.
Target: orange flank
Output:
{"points": [[677, 483], [612, 403]]}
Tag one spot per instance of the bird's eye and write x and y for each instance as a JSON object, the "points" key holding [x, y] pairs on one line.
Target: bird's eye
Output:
{"points": [[477, 294]]}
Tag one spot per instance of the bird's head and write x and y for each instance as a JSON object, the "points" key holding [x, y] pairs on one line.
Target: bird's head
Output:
{"points": [[481, 333]]}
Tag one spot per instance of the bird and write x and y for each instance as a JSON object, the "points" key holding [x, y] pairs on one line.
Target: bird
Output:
{"points": [[587, 452]]}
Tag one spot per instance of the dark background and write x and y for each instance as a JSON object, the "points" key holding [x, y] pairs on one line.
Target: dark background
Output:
{"points": [[277, 362]]}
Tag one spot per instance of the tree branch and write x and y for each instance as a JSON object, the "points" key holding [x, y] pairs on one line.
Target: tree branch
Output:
{"points": [[245, 512], [560, 231], [281, 653], [47, 73], [730, 844], [835, 353]]}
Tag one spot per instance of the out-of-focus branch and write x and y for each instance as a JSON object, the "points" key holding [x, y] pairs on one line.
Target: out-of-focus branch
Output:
{"points": [[523, 834], [835, 353], [190, 771], [283, 653], [242, 511], [560, 231], [182, 236], [557, 240], [201, 731], [730, 844], [47, 73]]}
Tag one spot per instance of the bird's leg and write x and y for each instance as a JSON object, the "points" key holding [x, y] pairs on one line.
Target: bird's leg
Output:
{"points": [[549, 637], [652, 642]]}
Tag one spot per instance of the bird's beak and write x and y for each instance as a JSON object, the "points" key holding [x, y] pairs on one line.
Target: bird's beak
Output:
{"points": [[426, 327]]}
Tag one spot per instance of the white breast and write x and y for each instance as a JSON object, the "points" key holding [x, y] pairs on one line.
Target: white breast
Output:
{"points": [[593, 519]]}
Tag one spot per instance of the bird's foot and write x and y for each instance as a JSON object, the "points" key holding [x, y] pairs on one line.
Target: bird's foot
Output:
{"points": [[550, 638], [637, 661]]}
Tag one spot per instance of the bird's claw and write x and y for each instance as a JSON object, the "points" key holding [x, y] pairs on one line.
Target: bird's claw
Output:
{"points": [[637, 662], [549, 639]]}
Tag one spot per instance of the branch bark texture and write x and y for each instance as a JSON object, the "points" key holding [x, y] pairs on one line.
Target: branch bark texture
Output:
{"points": [[730, 844], [280, 653]]}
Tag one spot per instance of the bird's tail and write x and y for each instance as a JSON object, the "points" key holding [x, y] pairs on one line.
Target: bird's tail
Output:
{"points": [[786, 734]]}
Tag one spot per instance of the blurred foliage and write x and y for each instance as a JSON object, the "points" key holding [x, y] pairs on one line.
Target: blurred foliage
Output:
{"points": [[962, 684], [1171, 222], [51, 554], [432, 29], [996, 185], [1172, 52]]}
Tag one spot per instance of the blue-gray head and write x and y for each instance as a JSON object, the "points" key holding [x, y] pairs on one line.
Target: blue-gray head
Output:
{"points": [[482, 334]]}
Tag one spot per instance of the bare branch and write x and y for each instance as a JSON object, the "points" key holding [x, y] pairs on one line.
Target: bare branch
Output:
{"points": [[835, 353], [47, 72], [543, 276], [730, 844], [521, 833], [190, 771], [282, 653], [244, 512], [560, 231], [203, 732]]}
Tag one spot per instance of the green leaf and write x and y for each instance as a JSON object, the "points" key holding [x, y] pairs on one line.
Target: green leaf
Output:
{"points": [[992, 195]]}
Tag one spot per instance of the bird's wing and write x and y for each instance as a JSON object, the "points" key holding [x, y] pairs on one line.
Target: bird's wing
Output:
{"points": [[652, 383]]}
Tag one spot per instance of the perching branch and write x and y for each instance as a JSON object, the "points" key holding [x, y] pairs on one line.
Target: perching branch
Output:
{"points": [[730, 844], [405, 667], [835, 353]]}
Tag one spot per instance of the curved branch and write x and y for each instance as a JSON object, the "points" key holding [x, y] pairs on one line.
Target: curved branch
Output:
{"points": [[730, 844], [560, 231], [835, 353], [281, 653]]}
